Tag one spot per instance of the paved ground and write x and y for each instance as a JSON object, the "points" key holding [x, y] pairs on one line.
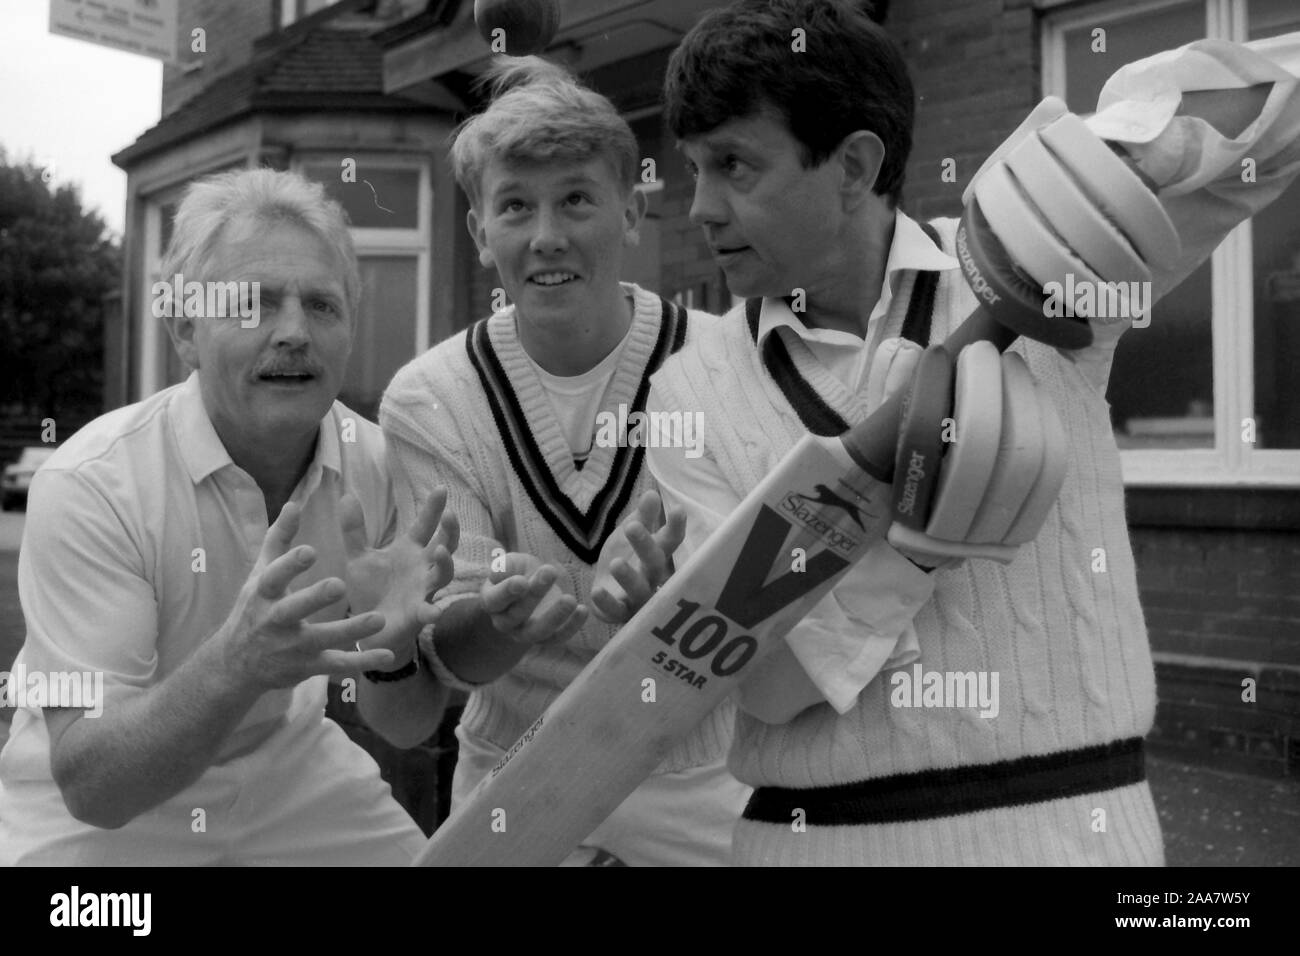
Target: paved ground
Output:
{"points": [[1209, 818], [11, 530]]}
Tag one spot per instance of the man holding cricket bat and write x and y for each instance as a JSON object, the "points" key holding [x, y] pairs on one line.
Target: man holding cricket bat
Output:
{"points": [[799, 158], [505, 416]]}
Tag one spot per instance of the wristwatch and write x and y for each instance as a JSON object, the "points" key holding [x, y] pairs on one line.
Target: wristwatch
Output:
{"points": [[409, 669]]}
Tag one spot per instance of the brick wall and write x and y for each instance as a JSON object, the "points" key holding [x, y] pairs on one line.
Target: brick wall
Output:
{"points": [[1225, 594], [975, 66], [230, 27], [687, 263], [1223, 606]]}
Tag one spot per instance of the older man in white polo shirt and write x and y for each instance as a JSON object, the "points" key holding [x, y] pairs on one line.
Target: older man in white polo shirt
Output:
{"points": [[193, 549]]}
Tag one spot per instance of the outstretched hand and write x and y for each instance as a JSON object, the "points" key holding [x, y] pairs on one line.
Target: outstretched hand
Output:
{"points": [[636, 560], [525, 604], [268, 642], [398, 580]]}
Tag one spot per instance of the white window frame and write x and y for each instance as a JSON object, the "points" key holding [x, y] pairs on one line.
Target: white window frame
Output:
{"points": [[151, 329], [1231, 461], [414, 243], [291, 11]]}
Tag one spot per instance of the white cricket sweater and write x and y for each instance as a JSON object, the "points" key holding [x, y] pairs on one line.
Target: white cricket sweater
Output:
{"points": [[1069, 643], [471, 415]]}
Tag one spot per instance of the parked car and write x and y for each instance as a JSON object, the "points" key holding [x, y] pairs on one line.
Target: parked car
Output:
{"points": [[17, 477]]}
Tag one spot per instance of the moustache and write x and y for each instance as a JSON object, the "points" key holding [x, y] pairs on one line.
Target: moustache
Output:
{"points": [[282, 367]]}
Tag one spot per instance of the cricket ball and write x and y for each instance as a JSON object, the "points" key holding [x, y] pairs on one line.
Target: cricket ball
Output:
{"points": [[523, 27]]}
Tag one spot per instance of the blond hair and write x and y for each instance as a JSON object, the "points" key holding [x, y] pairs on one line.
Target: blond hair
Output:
{"points": [[540, 113]]}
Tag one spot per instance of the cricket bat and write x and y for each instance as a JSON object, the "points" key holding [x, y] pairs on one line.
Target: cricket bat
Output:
{"points": [[787, 544]]}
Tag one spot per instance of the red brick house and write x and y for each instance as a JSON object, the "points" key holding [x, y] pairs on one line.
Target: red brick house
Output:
{"points": [[1215, 519]]}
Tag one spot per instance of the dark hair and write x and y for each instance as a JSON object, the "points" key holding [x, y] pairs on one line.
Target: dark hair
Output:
{"points": [[851, 76]]}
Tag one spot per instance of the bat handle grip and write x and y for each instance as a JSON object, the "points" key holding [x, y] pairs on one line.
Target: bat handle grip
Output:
{"points": [[873, 443]]}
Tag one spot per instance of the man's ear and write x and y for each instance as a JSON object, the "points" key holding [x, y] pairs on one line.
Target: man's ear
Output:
{"points": [[478, 232], [182, 329], [860, 154], [634, 212]]}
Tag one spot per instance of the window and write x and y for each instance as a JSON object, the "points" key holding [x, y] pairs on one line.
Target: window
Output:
{"points": [[1275, 273], [390, 206], [1186, 391], [642, 262], [291, 11], [175, 370], [156, 352]]}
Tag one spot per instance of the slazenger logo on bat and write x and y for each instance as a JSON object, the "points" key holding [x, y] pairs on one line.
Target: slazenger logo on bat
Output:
{"points": [[810, 512], [532, 731], [978, 283], [915, 474]]}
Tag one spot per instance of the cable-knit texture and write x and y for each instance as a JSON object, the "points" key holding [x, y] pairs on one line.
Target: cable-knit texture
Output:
{"points": [[442, 430], [1066, 638]]}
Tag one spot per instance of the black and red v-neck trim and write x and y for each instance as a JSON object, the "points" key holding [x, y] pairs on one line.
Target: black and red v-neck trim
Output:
{"points": [[584, 532], [813, 410], [816, 414]]}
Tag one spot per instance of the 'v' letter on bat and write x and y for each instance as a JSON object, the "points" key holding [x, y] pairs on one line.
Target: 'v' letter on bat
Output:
{"points": [[744, 598]]}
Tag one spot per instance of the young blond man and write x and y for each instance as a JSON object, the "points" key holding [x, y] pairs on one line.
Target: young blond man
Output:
{"points": [[513, 417]]}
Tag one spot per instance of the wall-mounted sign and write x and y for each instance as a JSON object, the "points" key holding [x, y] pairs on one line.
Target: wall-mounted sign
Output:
{"points": [[147, 27]]}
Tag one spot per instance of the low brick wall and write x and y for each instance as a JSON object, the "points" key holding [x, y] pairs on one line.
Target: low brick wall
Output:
{"points": [[1222, 607], [1201, 717]]}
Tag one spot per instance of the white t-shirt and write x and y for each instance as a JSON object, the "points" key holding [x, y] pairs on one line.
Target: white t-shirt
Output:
{"points": [[577, 398]]}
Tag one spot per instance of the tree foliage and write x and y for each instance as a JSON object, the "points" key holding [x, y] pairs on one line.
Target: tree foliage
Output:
{"points": [[57, 264]]}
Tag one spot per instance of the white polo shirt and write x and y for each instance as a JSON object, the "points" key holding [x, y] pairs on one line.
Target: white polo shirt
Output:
{"points": [[140, 533]]}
